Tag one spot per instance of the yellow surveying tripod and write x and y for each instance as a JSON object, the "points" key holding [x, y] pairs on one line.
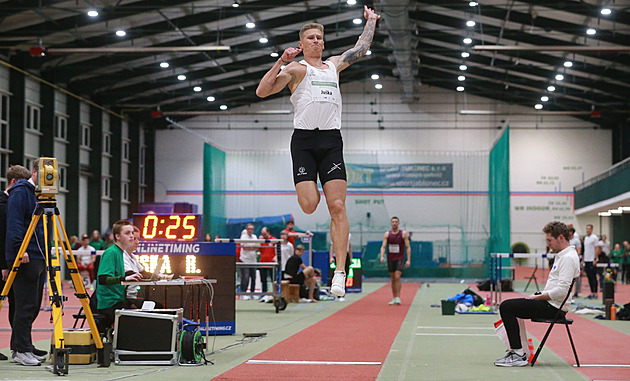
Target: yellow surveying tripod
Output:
{"points": [[47, 206]]}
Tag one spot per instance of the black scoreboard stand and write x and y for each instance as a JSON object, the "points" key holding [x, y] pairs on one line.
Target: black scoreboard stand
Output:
{"points": [[190, 260]]}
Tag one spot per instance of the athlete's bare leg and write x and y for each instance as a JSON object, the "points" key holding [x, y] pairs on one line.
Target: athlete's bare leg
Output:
{"points": [[308, 196], [335, 193], [396, 284]]}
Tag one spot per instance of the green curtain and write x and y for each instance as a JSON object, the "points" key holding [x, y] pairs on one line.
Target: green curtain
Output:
{"points": [[499, 196], [213, 191]]}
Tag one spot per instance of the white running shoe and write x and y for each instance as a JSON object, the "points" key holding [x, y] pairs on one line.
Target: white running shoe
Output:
{"points": [[397, 301], [512, 359], [341, 299], [26, 358], [392, 302], [41, 359], [338, 287]]}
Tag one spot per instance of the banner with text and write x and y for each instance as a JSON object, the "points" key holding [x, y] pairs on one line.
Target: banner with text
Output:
{"points": [[433, 175]]}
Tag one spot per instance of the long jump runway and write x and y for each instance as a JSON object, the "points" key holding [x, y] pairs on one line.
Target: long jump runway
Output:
{"points": [[351, 344]]}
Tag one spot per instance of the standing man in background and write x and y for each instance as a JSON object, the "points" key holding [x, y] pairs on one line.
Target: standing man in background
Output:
{"points": [[316, 144], [266, 255], [589, 261], [28, 285], [248, 255], [396, 242], [14, 173], [575, 241]]}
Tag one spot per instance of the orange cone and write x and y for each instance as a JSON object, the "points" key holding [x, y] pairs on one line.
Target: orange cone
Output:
{"points": [[531, 350]]}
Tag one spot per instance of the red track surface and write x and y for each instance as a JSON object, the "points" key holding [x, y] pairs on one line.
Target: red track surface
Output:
{"points": [[363, 331]]}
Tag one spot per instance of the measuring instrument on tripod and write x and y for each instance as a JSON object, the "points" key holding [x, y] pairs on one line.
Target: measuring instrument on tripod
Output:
{"points": [[46, 189]]}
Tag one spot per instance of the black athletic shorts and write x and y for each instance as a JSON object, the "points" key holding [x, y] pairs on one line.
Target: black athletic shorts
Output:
{"points": [[297, 279], [317, 152], [393, 266]]}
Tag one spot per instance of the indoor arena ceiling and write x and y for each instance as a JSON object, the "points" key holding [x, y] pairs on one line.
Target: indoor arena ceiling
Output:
{"points": [[193, 56]]}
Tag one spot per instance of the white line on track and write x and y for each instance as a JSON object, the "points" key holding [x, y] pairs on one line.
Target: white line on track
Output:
{"points": [[603, 365], [429, 327], [456, 334], [314, 362]]}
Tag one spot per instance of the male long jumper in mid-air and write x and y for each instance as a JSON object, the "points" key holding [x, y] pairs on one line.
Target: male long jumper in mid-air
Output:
{"points": [[316, 144]]}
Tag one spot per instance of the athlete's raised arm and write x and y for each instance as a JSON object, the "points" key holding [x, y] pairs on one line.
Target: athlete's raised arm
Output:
{"points": [[353, 54]]}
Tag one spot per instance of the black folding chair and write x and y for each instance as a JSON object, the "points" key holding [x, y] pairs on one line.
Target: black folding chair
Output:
{"points": [[559, 319]]}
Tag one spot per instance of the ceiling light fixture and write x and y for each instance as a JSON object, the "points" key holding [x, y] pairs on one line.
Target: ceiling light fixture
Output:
{"points": [[551, 88], [92, 13], [463, 67], [473, 4], [250, 25], [591, 31], [461, 78], [470, 23], [538, 106], [625, 208], [568, 63], [164, 65], [604, 214], [460, 88], [181, 77], [210, 99], [351, 2], [197, 89], [375, 76], [274, 54], [467, 40], [615, 211], [369, 52], [605, 11], [121, 33], [465, 54], [544, 98], [357, 21], [559, 77], [235, 4], [378, 86], [263, 40], [223, 107]]}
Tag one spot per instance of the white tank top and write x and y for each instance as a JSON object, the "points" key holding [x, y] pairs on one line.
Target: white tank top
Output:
{"points": [[317, 99]]}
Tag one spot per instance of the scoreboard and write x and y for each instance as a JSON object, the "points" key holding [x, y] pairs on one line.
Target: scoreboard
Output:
{"points": [[175, 238]]}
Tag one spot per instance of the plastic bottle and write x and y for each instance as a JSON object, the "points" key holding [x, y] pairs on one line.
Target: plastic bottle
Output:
{"points": [[488, 300], [613, 312]]}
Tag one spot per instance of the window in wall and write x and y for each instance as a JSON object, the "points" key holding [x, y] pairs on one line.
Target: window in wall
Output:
{"points": [[107, 143], [4, 107], [61, 127], [85, 135], [4, 165], [106, 187], [125, 150], [62, 177], [31, 120], [142, 165], [141, 194], [125, 191]]}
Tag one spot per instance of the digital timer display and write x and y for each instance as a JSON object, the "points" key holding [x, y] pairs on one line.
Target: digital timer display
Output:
{"points": [[181, 227]]}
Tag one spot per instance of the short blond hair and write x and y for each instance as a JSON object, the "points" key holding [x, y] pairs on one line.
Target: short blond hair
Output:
{"points": [[312, 25]]}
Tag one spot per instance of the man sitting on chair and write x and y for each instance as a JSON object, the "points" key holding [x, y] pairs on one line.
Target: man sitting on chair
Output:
{"points": [[543, 304]]}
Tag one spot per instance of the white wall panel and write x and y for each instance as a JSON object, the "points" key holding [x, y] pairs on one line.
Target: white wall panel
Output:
{"points": [[4, 78], [31, 90]]}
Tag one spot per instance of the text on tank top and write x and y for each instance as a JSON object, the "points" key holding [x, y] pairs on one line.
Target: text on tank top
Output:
{"points": [[395, 246], [317, 99]]}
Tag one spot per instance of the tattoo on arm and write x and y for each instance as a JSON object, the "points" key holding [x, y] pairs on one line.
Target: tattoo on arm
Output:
{"points": [[352, 55]]}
